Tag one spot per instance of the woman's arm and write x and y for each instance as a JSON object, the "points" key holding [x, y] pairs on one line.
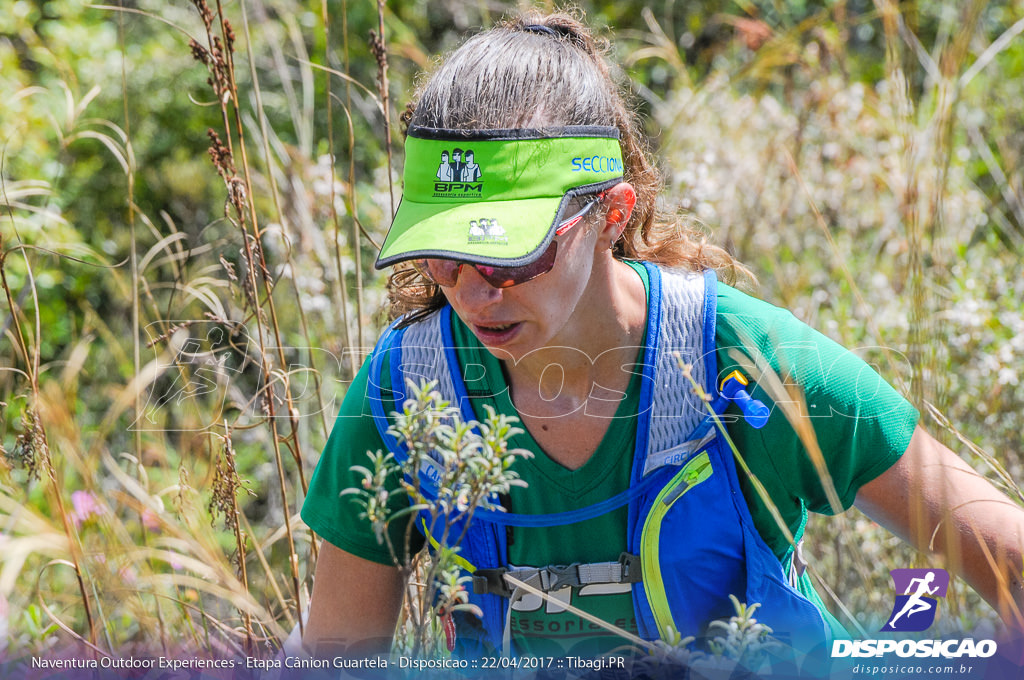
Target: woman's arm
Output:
{"points": [[355, 601], [935, 501]]}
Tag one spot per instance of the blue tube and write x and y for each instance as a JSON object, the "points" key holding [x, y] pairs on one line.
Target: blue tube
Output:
{"points": [[754, 412]]}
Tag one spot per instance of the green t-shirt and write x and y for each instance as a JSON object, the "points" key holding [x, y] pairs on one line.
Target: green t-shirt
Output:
{"points": [[861, 424]]}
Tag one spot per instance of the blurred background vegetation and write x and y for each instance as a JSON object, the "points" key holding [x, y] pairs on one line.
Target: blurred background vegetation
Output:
{"points": [[177, 334]]}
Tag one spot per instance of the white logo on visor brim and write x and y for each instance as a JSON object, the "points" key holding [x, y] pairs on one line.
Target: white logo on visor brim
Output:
{"points": [[486, 231]]}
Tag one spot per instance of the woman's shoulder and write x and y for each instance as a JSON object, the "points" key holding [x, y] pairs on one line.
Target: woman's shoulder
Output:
{"points": [[745, 320], [732, 300], [836, 376]]}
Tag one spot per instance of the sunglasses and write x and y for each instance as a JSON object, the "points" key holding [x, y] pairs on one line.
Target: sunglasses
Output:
{"points": [[446, 272]]}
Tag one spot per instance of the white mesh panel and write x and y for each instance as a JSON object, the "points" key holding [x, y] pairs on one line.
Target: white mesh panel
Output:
{"points": [[676, 408], [423, 356]]}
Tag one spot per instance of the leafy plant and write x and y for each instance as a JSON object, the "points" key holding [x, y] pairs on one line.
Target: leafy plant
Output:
{"points": [[473, 464], [737, 647], [742, 638]]}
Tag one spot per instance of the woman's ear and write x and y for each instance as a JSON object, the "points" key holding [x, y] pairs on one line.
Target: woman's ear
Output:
{"points": [[619, 201]]}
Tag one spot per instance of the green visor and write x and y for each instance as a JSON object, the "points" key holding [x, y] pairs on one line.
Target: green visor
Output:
{"points": [[495, 197]]}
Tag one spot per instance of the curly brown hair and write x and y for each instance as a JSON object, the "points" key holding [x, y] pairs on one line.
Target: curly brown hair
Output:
{"points": [[540, 70]]}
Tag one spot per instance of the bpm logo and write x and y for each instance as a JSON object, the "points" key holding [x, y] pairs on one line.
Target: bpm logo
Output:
{"points": [[458, 174], [917, 593]]}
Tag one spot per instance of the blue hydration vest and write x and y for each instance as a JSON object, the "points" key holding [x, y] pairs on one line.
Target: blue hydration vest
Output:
{"points": [[689, 526]]}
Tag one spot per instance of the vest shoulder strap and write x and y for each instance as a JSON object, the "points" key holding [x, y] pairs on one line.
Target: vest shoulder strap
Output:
{"points": [[420, 351], [683, 358], [427, 354]]}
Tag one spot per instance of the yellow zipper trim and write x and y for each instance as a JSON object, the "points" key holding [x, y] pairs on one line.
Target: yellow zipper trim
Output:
{"points": [[693, 473]]}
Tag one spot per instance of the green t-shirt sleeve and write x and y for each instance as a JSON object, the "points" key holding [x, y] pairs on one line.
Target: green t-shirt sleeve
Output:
{"points": [[338, 518], [862, 425]]}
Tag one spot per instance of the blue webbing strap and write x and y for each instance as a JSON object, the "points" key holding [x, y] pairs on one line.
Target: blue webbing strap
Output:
{"points": [[391, 343], [380, 418], [452, 362], [569, 516], [643, 426], [647, 385], [710, 314], [395, 366]]}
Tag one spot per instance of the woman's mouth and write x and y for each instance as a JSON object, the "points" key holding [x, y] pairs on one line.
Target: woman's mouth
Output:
{"points": [[496, 333]]}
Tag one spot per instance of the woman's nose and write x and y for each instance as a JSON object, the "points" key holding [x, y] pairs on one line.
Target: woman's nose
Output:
{"points": [[472, 292]]}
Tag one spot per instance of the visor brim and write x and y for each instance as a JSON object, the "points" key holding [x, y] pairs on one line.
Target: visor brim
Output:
{"points": [[497, 233]]}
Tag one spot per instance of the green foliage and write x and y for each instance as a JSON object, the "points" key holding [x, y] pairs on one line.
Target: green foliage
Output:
{"points": [[737, 647], [473, 465], [741, 637], [39, 633]]}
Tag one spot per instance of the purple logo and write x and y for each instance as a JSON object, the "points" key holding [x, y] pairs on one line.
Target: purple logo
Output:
{"points": [[917, 593]]}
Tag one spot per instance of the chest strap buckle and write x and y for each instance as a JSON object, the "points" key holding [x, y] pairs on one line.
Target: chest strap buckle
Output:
{"points": [[555, 577]]}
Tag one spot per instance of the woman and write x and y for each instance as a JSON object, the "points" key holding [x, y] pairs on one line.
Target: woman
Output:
{"points": [[568, 311]]}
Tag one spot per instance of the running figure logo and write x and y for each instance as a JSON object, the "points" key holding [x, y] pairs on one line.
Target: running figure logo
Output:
{"points": [[915, 608]]}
